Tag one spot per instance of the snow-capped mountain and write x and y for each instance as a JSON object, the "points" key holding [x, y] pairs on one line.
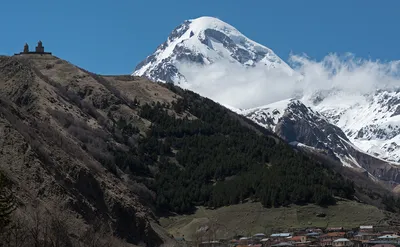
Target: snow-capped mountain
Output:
{"points": [[300, 125], [296, 123], [205, 41], [357, 129], [370, 121]]}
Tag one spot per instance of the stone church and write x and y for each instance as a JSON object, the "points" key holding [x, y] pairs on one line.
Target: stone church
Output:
{"points": [[38, 50]]}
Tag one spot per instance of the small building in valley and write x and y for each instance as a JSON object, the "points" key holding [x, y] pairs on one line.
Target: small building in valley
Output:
{"points": [[298, 239], [282, 244], [328, 238], [281, 235], [342, 242], [366, 228], [389, 237], [363, 236]]}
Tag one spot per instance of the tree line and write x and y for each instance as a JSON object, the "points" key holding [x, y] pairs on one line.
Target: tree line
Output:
{"points": [[215, 160]]}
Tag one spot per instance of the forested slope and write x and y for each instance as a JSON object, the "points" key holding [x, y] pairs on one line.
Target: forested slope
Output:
{"points": [[219, 159]]}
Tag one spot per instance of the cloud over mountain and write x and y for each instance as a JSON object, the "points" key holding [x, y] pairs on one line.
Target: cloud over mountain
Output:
{"points": [[242, 87]]}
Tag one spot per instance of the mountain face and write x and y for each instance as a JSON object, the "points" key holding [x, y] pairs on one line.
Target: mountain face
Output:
{"points": [[295, 122], [202, 42], [371, 121], [357, 129], [302, 126]]}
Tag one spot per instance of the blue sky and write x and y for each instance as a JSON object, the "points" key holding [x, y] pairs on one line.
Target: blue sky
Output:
{"points": [[111, 37]]}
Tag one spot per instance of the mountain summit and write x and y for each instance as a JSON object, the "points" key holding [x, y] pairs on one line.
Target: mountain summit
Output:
{"points": [[205, 41], [208, 56]]}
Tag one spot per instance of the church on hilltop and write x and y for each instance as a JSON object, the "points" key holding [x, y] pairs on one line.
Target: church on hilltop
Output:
{"points": [[38, 50]]}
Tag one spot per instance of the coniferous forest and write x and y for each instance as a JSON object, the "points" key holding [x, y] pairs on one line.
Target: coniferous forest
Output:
{"points": [[217, 158], [197, 152]]}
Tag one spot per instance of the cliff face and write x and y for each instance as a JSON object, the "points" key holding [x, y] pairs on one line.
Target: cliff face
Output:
{"points": [[55, 120], [303, 127]]}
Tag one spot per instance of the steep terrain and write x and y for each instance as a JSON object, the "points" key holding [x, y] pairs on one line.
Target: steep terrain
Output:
{"points": [[361, 130], [302, 126], [371, 121], [120, 150], [202, 42], [53, 128]]}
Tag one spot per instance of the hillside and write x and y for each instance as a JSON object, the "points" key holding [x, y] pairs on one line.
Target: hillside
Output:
{"points": [[215, 153], [54, 128], [115, 152], [358, 126]]}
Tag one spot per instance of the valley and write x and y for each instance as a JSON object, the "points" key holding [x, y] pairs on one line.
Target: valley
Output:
{"points": [[251, 218], [146, 159]]}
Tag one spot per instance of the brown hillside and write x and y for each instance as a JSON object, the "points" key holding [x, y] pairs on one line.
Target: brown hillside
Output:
{"points": [[54, 121]]}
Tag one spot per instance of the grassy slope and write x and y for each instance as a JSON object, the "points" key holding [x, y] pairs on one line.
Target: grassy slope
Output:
{"points": [[250, 218]]}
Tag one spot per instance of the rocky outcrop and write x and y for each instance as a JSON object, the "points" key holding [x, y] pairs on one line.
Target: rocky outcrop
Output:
{"points": [[300, 125]]}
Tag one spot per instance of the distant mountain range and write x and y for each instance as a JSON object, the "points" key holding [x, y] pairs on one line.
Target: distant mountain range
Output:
{"points": [[358, 130]]}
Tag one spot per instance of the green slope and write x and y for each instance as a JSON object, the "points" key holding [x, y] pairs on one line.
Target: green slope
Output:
{"points": [[251, 218]]}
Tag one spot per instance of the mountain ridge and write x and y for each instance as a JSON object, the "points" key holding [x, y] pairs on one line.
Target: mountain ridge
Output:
{"points": [[188, 45], [301, 125], [204, 41]]}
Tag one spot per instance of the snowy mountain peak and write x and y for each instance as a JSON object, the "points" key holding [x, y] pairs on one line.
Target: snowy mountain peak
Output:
{"points": [[205, 41], [359, 129], [202, 28]]}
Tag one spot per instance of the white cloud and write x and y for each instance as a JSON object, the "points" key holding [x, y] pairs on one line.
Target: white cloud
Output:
{"points": [[234, 85]]}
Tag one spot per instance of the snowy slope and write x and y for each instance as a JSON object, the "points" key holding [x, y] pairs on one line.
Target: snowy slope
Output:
{"points": [[297, 123], [303, 126], [353, 127], [204, 41], [267, 116], [371, 122]]}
